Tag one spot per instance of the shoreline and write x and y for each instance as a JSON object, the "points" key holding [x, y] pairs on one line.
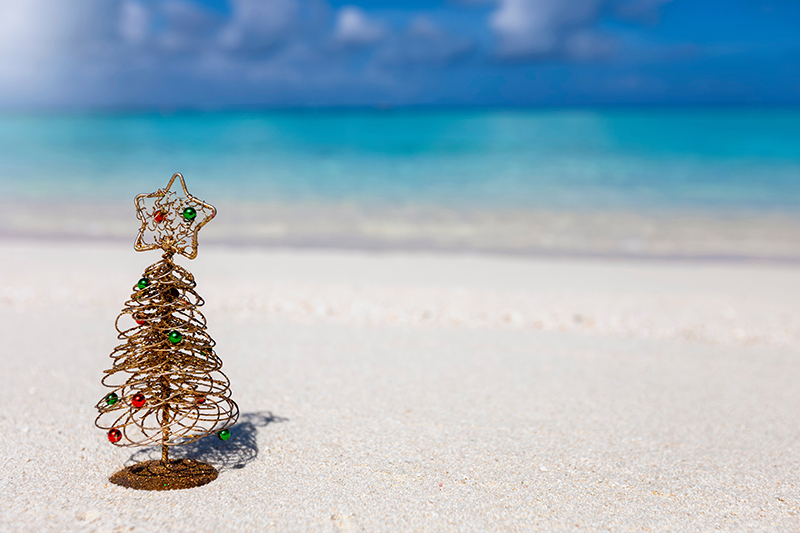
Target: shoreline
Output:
{"points": [[383, 249], [688, 236]]}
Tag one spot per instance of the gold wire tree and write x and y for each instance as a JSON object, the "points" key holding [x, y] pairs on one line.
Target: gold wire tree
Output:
{"points": [[168, 388]]}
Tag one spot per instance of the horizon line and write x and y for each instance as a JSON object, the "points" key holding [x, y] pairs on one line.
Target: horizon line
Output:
{"points": [[168, 110]]}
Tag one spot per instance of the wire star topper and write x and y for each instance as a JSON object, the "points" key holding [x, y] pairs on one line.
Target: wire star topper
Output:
{"points": [[170, 221]]}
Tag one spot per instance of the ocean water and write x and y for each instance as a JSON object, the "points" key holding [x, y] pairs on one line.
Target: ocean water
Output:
{"points": [[292, 169]]}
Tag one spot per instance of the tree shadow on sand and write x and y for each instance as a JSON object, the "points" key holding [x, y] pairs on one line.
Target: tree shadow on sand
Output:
{"points": [[231, 454]]}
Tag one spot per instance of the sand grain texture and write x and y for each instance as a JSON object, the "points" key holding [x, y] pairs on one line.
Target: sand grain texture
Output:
{"points": [[414, 392]]}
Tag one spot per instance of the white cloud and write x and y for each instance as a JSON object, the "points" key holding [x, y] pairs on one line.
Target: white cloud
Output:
{"points": [[424, 27], [425, 43], [589, 45], [530, 28], [143, 52], [189, 29], [257, 26], [355, 28], [38, 28], [537, 29], [134, 23], [42, 39]]}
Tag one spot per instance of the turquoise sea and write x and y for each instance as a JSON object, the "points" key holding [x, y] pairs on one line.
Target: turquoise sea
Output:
{"points": [[714, 163]]}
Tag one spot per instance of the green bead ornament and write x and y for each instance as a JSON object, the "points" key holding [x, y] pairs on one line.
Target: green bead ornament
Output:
{"points": [[143, 283], [111, 399], [189, 214], [225, 434], [175, 337]]}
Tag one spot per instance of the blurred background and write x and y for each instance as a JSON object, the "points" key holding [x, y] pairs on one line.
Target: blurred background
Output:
{"points": [[636, 128]]}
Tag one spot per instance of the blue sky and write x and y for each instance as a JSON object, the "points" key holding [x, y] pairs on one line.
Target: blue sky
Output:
{"points": [[223, 53]]}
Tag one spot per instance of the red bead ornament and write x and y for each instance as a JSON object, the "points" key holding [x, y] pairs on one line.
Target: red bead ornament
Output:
{"points": [[158, 216], [138, 400], [200, 399], [114, 435]]}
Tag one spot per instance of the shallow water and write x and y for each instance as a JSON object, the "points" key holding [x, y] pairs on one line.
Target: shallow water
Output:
{"points": [[467, 169]]}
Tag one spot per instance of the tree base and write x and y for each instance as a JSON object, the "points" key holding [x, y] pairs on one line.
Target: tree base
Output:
{"points": [[175, 474]]}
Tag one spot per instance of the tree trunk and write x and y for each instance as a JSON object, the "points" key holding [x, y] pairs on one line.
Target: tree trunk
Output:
{"points": [[165, 437], [167, 257]]}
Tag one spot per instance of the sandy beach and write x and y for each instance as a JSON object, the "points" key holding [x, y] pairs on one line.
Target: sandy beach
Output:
{"points": [[421, 392], [576, 233], [470, 266]]}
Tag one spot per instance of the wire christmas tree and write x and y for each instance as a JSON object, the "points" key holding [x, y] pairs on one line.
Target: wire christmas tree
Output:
{"points": [[167, 385]]}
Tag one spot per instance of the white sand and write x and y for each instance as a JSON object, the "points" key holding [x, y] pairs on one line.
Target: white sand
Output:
{"points": [[421, 392], [565, 233]]}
